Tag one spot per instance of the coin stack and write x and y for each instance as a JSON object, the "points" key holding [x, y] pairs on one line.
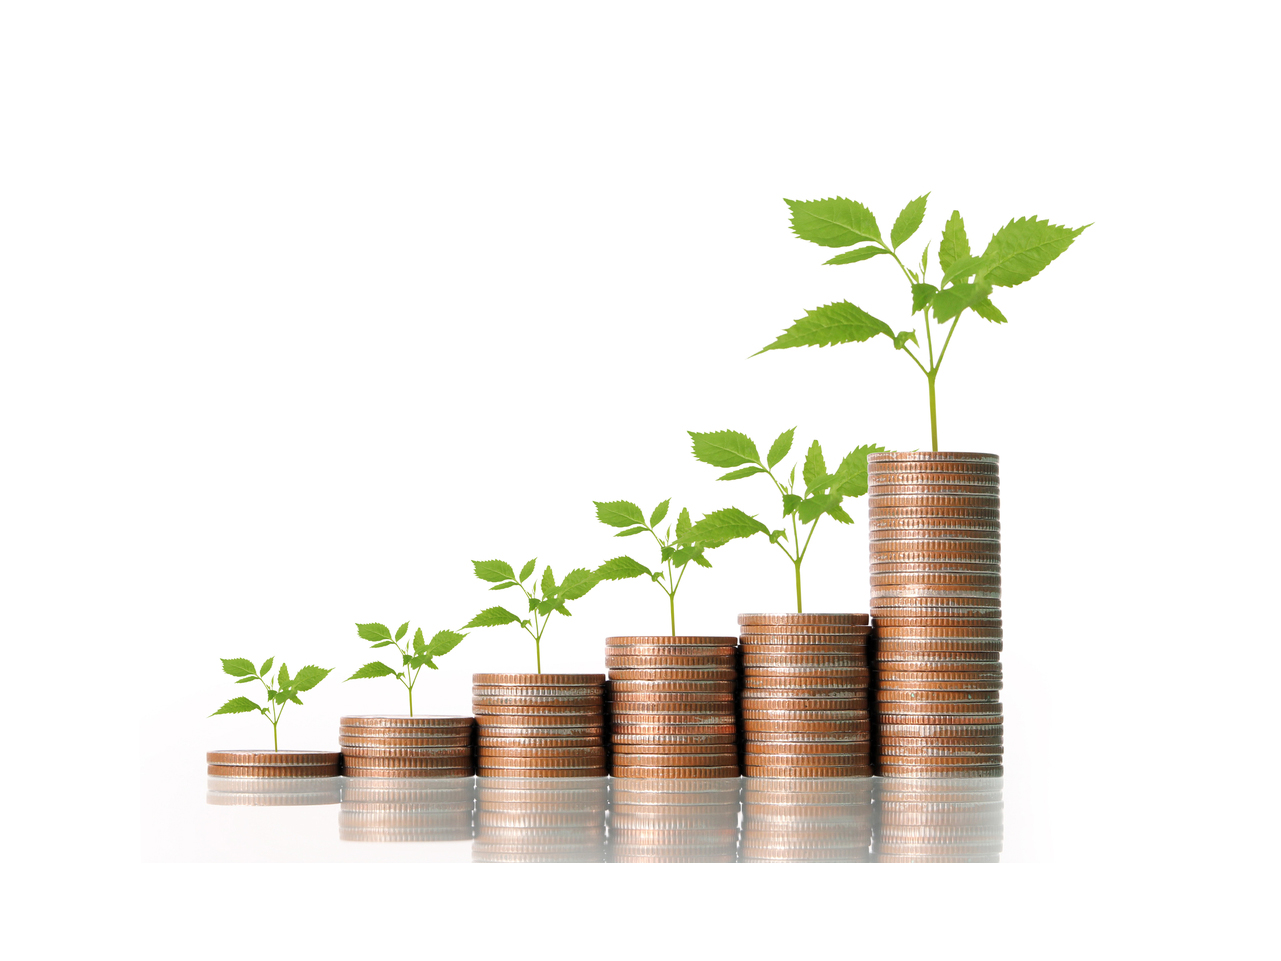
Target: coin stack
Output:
{"points": [[672, 701], [273, 792], [810, 819], [428, 745], [540, 725], [520, 819], [804, 698], [952, 819], [934, 520], [308, 764], [665, 819], [407, 809]]}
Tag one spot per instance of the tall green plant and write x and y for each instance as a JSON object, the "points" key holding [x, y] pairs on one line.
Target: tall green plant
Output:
{"points": [[1016, 253], [413, 657], [280, 689]]}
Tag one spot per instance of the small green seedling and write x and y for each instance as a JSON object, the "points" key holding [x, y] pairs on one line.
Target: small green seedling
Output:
{"points": [[545, 597], [1016, 253], [280, 689], [823, 491], [413, 658]]}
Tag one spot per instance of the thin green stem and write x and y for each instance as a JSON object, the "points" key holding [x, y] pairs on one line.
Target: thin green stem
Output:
{"points": [[799, 608], [671, 603], [907, 350], [934, 419], [943, 352]]}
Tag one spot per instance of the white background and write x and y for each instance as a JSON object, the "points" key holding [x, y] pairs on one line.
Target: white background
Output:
{"points": [[305, 306]]}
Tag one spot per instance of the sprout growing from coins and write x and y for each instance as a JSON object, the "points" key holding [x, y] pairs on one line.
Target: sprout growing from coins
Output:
{"points": [[413, 656], [281, 689]]}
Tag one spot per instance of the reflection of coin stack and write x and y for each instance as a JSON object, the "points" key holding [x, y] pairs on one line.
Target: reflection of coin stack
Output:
{"points": [[540, 725], [672, 701], [401, 746], [259, 764], [814, 819], [936, 597], [520, 819], [273, 792], [804, 697], [665, 819], [952, 819], [407, 809]]}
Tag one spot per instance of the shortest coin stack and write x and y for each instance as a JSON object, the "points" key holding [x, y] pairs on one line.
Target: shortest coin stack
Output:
{"points": [[274, 763], [539, 725], [432, 745]]}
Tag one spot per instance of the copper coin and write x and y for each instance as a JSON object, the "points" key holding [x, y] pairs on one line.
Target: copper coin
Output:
{"points": [[285, 758], [672, 687], [804, 669], [755, 704], [947, 741], [934, 500], [932, 457], [863, 738], [700, 773], [804, 715], [539, 680], [806, 726], [878, 567], [800, 646], [931, 513], [937, 605], [658, 650], [596, 754], [506, 726], [655, 731], [951, 750], [935, 626], [845, 631], [945, 486], [838, 748], [886, 632], [802, 770], [725, 693], [896, 528], [881, 468], [746, 620], [670, 740], [807, 682], [926, 655], [692, 749], [913, 712], [949, 729], [516, 690], [536, 701], [937, 580], [897, 675], [918, 595], [511, 772], [356, 736], [678, 640], [536, 710], [449, 721], [408, 752], [686, 761], [456, 757], [653, 712], [958, 763], [497, 742], [936, 696], [549, 763], [669, 662], [940, 482], [712, 674], [802, 661], [274, 770], [407, 773]]}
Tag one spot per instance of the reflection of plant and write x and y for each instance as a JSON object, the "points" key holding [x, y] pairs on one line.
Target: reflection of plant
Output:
{"points": [[823, 491], [1016, 253], [279, 690], [544, 597], [672, 554], [413, 661]]}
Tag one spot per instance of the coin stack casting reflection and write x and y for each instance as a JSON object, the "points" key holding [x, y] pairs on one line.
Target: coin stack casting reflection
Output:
{"points": [[539, 725], [804, 698], [672, 704], [935, 531], [938, 819], [274, 764], [814, 819], [406, 809], [667, 819], [523, 819], [429, 745]]}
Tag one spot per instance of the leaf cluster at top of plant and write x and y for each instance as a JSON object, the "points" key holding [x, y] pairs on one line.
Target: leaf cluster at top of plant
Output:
{"points": [[413, 657], [281, 689]]}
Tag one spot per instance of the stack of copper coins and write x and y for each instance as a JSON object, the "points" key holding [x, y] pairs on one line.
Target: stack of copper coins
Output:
{"points": [[429, 745], [804, 698], [953, 819], [540, 725], [666, 819], [308, 764], [811, 819], [672, 702], [407, 809], [273, 792], [935, 529], [518, 819]]}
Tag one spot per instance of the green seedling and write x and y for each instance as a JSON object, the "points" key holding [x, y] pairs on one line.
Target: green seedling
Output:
{"points": [[413, 657], [673, 556], [823, 492], [280, 690], [1016, 253], [545, 598]]}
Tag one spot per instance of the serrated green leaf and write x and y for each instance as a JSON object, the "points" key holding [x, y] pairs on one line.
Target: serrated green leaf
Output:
{"points": [[527, 570], [665, 553], [549, 582], [246, 680], [700, 560], [546, 606], [839, 323], [851, 477], [833, 222], [271, 695], [683, 523], [925, 259], [293, 696], [282, 676], [372, 669], [420, 643], [373, 632], [533, 605], [266, 666], [949, 302], [310, 676], [964, 268], [504, 586], [782, 444], [987, 310], [790, 503], [400, 631], [633, 531], [724, 448], [621, 568], [237, 666], [855, 256], [837, 512], [559, 606], [494, 570], [742, 472], [430, 663], [776, 536], [619, 513], [492, 617], [660, 512], [922, 294], [908, 221], [577, 583], [812, 508], [814, 473], [1023, 248], [237, 705], [955, 245], [419, 660], [381, 644], [442, 642], [903, 336], [724, 525]]}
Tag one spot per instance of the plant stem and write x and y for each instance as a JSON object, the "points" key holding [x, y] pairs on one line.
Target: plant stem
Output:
{"points": [[411, 701], [671, 600], [538, 654], [275, 743], [799, 609], [934, 420]]}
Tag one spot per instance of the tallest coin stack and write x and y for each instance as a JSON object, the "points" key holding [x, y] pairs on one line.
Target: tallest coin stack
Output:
{"points": [[934, 522]]}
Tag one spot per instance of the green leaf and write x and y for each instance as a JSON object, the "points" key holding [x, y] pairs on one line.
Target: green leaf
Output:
{"points": [[949, 302], [420, 660], [683, 523], [814, 473], [925, 259], [533, 605], [987, 310], [237, 705], [839, 323], [428, 661], [559, 605], [246, 680], [546, 606], [504, 586], [812, 508], [442, 642], [782, 444], [659, 513], [266, 666], [527, 570], [724, 525], [282, 677], [833, 222], [908, 221], [492, 617], [619, 513], [400, 631], [310, 676], [742, 472], [237, 666], [632, 531], [382, 644], [776, 536], [851, 477], [372, 669], [724, 448], [373, 632], [838, 513], [494, 570], [963, 268], [922, 294], [621, 568], [420, 644], [698, 558], [790, 503], [577, 583], [549, 582], [1023, 248], [292, 696], [955, 245], [903, 336], [856, 255]]}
